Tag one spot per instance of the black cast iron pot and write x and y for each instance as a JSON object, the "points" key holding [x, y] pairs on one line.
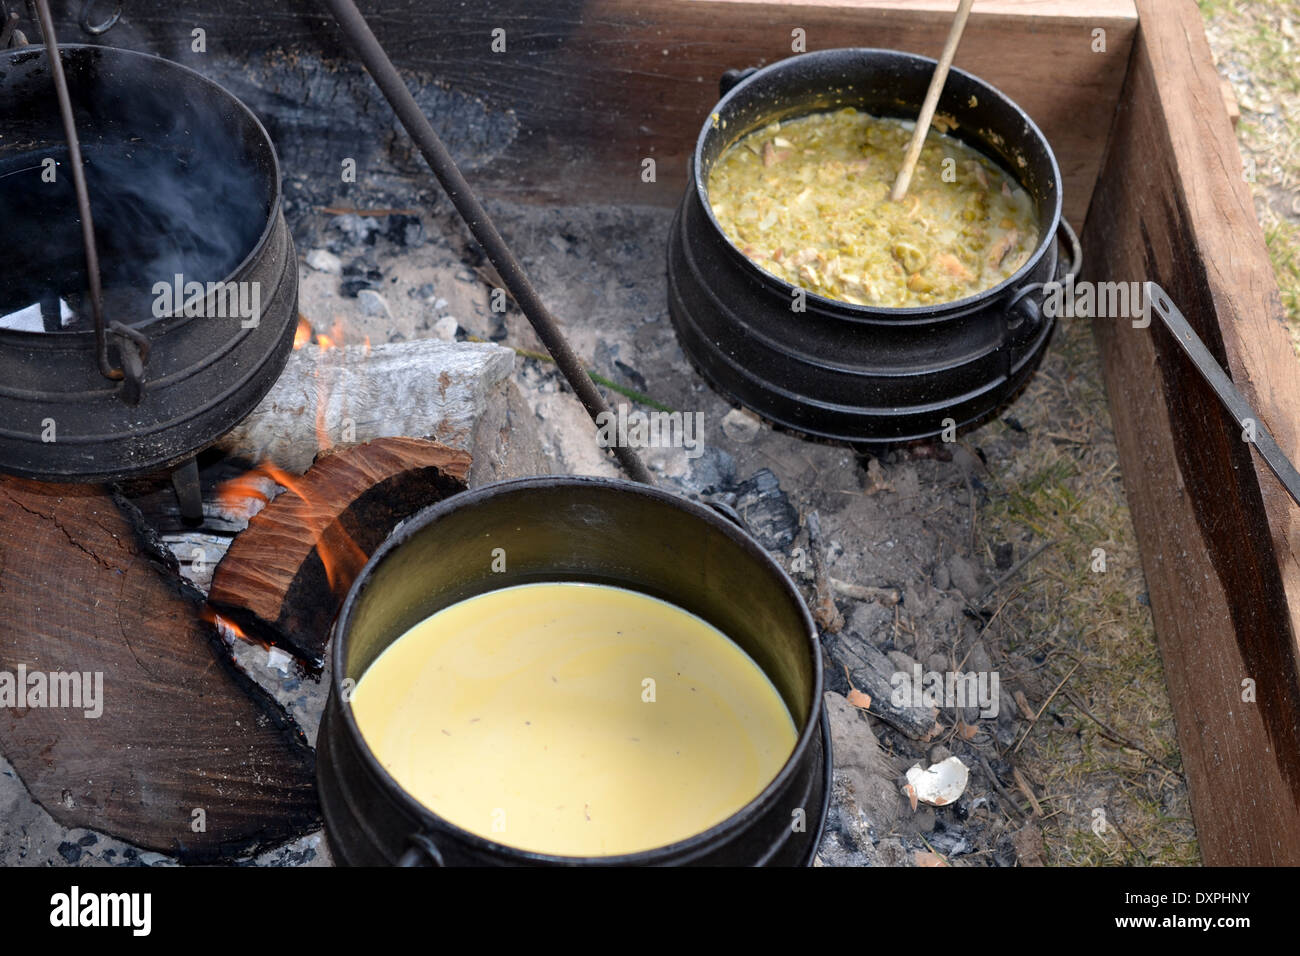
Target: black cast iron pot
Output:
{"points": [[574, 529], [843, 371], [182, 176]]}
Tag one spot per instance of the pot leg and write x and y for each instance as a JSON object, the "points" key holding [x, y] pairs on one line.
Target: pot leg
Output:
{"points": [[189, 497]]}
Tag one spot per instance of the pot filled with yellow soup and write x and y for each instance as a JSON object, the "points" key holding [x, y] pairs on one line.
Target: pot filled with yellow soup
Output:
{"points": [[799, 288], [573, 671]]}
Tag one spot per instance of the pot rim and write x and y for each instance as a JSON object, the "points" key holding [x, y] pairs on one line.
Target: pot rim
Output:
{"points": [[848, 311], [430, 821], [177, 318]]}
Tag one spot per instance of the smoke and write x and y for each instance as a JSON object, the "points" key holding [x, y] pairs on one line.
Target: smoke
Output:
{"points": [[173, 189]]}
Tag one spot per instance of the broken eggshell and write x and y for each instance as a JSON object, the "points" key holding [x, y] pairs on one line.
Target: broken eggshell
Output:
{"points": [[940, 785]]}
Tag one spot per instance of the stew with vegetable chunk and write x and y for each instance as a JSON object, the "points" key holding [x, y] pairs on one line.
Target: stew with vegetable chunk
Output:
{"points": [[807, 200]]}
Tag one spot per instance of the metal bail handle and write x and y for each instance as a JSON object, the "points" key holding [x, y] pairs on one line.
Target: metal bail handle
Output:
{"points": [[133, 346], [1020, 307], [421, 851], [95, 29], [731, 77]]}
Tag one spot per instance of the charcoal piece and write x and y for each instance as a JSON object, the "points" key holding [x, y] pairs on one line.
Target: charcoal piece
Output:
{"points": [[872, 673], [403, 230], [352, 285], [766, 510]]}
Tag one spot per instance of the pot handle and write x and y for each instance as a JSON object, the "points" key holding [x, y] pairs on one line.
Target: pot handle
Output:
{"points": [[134, 349], [731, 77], [421, 851], [1022, 307]]}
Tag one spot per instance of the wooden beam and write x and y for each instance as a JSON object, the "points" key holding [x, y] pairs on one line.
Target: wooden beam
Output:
{"points": [[1220, 539], [587, 89]]}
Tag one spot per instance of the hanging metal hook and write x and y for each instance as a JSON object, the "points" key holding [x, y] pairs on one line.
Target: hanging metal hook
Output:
{"points": [[95, 29]]}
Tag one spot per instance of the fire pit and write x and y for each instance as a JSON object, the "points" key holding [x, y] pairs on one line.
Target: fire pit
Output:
{"points": [[899, 557]]}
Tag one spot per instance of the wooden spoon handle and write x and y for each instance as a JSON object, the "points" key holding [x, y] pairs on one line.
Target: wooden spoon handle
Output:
{"points": [[931, 101]]}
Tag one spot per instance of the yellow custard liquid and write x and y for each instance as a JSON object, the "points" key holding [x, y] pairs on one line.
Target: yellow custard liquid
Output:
{"points": [[525, 715]]}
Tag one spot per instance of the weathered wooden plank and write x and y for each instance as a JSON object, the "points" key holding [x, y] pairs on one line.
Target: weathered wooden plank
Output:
{"points": [[285, 576], [1220, 539], [179, 729], [586, 89]]}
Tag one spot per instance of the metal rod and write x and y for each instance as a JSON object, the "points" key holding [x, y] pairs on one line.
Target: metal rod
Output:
{"points": [[1227, 393], [385, 75], [79, 186]]}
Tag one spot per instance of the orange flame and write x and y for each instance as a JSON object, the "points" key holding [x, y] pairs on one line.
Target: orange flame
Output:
{"points": [[301, 335], [341, 557], [225, 625], [304, 335], [244, 496]]}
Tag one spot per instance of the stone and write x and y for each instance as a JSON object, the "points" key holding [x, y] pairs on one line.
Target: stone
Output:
{"points": [[903, 663], [978, 659], [322, 260], [446, 328], [373, 304], [863, 767], [924, 819], [966, 577], [740, 425], [871, 620], [1028, 845]]}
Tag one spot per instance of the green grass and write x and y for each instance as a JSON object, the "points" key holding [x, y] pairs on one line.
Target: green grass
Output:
{"points": [[1257, 46], [1060, 486]]}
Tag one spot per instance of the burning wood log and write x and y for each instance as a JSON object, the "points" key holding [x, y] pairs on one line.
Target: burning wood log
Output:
{"points": [[284, 577], [355, 393], [121, 708]]}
